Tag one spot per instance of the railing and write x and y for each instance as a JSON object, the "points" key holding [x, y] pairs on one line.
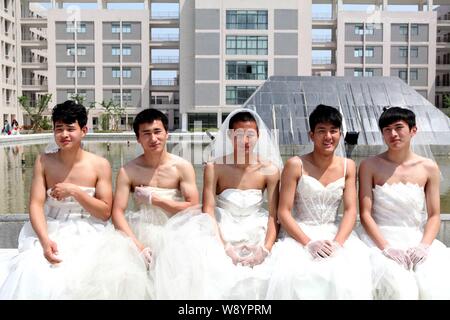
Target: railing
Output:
{"points": [[10, 35], [321, 16], [10, 81], [165, 82], [161, 15], [165, 37], [34, 82], [165, 59], [31, 37], [322, 61], [33, 59], [12, 58], [31, 15], [321, 39]]}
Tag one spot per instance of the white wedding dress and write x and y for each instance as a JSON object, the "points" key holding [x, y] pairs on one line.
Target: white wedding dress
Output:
{"points": [[193, 263], [297, 275], [30, 275], [127, 276], [399, 211]]}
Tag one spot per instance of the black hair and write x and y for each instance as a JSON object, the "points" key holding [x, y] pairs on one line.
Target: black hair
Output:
{"points": [[394, 114], [148, 116], [241, 116], [325, 114], [70, 112]]}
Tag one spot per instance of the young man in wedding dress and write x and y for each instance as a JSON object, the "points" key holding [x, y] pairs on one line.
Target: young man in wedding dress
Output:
{"points": [[400, 212], [71, 198]]}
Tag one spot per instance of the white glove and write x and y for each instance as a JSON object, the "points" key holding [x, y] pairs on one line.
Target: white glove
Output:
{"points": [[257, 256], [418, 254], [233, 253], [398, 255], [320, 248], [143, 195], [147, 255]]}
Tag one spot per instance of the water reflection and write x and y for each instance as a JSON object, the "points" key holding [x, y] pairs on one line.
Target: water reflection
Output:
{"points": [[16, 171]]}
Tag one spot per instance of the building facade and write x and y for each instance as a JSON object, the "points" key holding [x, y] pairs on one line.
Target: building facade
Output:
{"points": [[202, 60]]}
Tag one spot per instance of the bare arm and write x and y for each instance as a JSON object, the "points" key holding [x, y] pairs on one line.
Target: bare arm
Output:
{"points": [[349, 217], [365, 205], [37, 200], [432, 193], [273, 183], [188, 189], [100, 205], [289, 179], [209, 196], [123, 186]]}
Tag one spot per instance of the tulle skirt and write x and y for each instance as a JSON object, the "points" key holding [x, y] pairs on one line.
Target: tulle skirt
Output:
{"points": [[429, 280], [297, 275], [193, 264], [31, 276]]}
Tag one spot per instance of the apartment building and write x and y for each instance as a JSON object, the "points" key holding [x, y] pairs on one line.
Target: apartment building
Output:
{"points": [[206, 57], [443, 56], [9, 108]]}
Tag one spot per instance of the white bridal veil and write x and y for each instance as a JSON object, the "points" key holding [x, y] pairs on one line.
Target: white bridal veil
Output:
{"points": [[266, 148]]}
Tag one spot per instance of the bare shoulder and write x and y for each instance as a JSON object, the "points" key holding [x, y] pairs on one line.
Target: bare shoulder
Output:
{"points": [[429, 165], [370, 162], [293, 163], [98, 162], [351, 165], [180, 162]]}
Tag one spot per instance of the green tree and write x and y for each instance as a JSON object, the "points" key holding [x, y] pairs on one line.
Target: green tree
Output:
{"points": [[446, 101], [80, 99], [36, 110], [113, 111]]}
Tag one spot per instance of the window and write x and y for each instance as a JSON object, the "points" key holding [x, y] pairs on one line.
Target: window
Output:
{"points": [[126, 96], [115, 28], [115, 51], [358, 52], [246, 45], [81, 73], [358, 72], [359, 29], [414, 74], [116, 96], [160, 100], [126, 27], [414, 29], [246, 70], [402, 74], [126, 51], [81, 51], [70, 73], [126, 73], [403, 52], [404, 29], [368, 73], [414, 52], [70, 95], [369, 29], [369, 52], [70, 50], [247, 19], [116, 72], [238, 95], [75, 26]]}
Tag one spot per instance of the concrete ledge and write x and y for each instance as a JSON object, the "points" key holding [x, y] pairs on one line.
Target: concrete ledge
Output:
{"points": [[10, 225]]}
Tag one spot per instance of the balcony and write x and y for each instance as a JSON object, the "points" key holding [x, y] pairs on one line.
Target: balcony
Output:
{"points": [[323, 64], [34, 62], [164, 84], [11, 59], [31, 41], [323, 42], [164, 63], [166, 41], [9, 81], [442, 67], [165, 19], [29, 84], [323, 19]]}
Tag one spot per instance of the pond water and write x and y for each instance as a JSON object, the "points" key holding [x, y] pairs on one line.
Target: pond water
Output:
{"points": [[17, 162]]}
